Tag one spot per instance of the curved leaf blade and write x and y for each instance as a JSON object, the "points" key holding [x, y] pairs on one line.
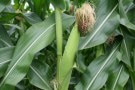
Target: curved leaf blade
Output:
{"points": [[106, 23], [126, 46], [124, 19], [37, 37], [5, 56], [117, 79], [3, 4], [4, 38], [96, 74], [38, 75], [42, 33], [32, 18], [59, 4]]}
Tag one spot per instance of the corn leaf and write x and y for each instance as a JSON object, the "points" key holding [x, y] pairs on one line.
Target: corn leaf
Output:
{"points": [[38, 75], [96, 74], [124, 19], [36, 38], [107, 21], [3, 4], [118, 78], [59, 4], [31, 42], [4, 38], [5, 58]]}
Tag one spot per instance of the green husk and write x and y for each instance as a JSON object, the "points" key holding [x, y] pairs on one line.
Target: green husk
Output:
{"points": [[66, 64]]}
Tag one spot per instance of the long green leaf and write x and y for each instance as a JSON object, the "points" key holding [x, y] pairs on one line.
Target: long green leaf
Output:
{"points": [[37, 37], [38, 5], [131, 13], [96, 74], [61, 4], [69, 21], [66, 64], [4, 38], [126, 46], [38, 75], [118, 78], [132, 75], [106, 22], [5, 56], [32, 18], [6, 16]]}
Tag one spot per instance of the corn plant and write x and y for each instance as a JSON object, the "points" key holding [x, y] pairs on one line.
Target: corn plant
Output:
{"points": [[67, 44]]}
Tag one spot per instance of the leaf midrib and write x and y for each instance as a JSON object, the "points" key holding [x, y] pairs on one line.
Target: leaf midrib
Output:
{"points": [[24, 54], [36, 72], [99, 27], [107, 60], [115, 83], [5, 61], [6, 43]]}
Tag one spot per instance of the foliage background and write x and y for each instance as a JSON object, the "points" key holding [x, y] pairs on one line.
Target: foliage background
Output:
{"points": [[106, 55]]}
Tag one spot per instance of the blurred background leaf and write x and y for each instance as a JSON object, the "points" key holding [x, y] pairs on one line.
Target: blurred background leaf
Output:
{"points": [[3, 4]]}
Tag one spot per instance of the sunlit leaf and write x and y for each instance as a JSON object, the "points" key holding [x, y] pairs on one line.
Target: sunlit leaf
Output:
{"points": [[124, 19]]}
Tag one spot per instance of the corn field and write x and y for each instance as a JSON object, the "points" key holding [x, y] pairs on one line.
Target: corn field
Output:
{"points": [[67, 44]]}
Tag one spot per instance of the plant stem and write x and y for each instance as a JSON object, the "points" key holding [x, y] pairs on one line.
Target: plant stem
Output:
{"points": [[58, 38]]}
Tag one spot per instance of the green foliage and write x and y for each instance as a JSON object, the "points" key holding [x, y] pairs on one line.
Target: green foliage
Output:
{"points": [[105, 14], [3, 4], [99, 74], [68, 59], [38, 75], [104, 59], [59, 4]]}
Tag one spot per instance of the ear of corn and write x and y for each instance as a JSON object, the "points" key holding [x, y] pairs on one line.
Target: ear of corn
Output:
{"points": [[66, 64], [85, 18]]}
